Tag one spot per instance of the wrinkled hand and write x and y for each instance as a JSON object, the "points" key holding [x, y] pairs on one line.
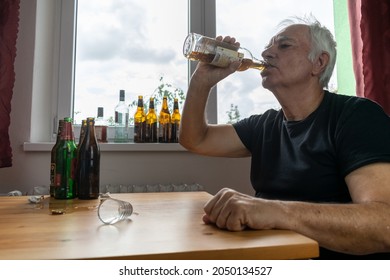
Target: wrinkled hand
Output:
{"points": [[210, 75], [235, 211]]}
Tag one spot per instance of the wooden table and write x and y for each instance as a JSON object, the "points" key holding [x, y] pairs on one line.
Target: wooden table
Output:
{"points": [[164, 226]]}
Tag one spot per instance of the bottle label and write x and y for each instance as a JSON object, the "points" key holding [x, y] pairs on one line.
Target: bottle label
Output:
{"points": [[223, 57]]}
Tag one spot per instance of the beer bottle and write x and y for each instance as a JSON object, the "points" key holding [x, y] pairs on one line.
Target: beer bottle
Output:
{"points": [[151, 123], [83, 128], [101, 126], [66, 163], [139, 122], [175, 122], [219, 53], [54, 157], [164, 122], [88, 164]]}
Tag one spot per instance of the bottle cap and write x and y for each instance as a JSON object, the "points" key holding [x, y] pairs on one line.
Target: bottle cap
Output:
{"points": [[122, 95], [100, 112]]}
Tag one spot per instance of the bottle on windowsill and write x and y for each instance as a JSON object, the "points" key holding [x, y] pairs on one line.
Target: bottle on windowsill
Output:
{"points": [[140, 122], [164, 123], [151, 123], [121, 120], [101, 126], [175, 122]]}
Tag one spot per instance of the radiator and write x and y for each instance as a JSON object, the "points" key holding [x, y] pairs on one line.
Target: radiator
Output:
{"points": [[152, 188]]}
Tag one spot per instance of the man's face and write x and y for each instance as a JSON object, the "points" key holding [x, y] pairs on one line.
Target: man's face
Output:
{"points": [[287, 53]]}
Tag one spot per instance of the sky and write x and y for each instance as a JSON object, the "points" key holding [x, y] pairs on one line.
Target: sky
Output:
{"points": [[130, 45]]}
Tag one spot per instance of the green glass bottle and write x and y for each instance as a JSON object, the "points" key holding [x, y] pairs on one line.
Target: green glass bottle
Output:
{"points": [[88, 164], [53, 158], [66, 163]]}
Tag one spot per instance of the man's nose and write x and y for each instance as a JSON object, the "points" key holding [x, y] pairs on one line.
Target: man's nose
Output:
{"points": [[268, 53]]}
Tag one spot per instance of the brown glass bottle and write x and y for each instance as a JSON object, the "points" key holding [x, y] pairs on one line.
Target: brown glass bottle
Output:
{"points": [[218, 53], [140, 122], [151, 123], [88, 164], [54, 157], [66, 163], [83, 128], [175, 122], [164, 123]]}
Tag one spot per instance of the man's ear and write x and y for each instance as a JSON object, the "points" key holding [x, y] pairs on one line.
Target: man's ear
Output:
{"points": [[320, 63]]}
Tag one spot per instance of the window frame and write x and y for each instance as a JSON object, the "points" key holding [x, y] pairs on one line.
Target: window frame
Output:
{"points": [[201, 19]]}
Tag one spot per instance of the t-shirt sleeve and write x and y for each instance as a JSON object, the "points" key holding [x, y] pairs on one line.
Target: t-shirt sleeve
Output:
{"points": [[245, 130], [362, 136]]}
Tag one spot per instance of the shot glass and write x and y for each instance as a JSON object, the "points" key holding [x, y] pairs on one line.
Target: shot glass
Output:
{"points": [[113, 210]]}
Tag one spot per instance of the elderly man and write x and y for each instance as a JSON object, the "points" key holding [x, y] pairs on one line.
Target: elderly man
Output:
{"points": [[320, 165]]}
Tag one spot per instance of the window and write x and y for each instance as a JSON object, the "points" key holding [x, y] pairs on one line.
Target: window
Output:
{"points": [[253, 23], [132, 44], [128, 45]]}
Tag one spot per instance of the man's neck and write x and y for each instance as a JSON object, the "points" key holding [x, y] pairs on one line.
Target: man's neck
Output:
{"points": [[298, 106]]}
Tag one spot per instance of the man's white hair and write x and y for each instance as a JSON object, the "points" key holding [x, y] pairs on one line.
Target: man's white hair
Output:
{"points": [[322, 40]]}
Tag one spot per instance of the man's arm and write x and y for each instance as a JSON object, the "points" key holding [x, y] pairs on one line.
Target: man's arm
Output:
{"points": [[361, 227], [196, 134]]}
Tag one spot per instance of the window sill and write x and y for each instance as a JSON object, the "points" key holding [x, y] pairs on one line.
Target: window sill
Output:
{"points": [[113, 147]]}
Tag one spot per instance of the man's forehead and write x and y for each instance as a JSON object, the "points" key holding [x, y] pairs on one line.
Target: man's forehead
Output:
{"points": [[293, 33]]}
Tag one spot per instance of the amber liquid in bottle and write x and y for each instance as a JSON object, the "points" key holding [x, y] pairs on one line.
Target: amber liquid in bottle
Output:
{"points": [[140, 122], [219, 53], [151, 123], [175, 122], [246, 63], [164, 123]]}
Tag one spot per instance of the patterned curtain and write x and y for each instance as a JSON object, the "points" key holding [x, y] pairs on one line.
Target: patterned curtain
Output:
{"points": [[370, 37], [9, 19]]}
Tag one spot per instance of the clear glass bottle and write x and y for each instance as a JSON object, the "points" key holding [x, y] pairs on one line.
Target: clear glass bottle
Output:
{"points": [[164, 123], [101, 126], [151, 123], [175, 122], [218, 53], [66, 163], [88, 164], [121, 120], [140, 122]]}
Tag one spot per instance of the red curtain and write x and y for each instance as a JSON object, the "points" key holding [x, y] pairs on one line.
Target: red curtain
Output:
{"points": [[9, 19], [370, 38]]}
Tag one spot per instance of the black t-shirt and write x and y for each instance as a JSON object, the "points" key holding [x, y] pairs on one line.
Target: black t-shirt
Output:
{"points": [[308, 160]]}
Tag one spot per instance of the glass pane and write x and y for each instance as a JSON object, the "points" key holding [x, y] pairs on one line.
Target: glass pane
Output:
{"points": [[130, 45], [253, 23]]}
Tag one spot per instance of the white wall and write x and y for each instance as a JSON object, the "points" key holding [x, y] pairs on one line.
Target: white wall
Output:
{"points": [[31, 168]]}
